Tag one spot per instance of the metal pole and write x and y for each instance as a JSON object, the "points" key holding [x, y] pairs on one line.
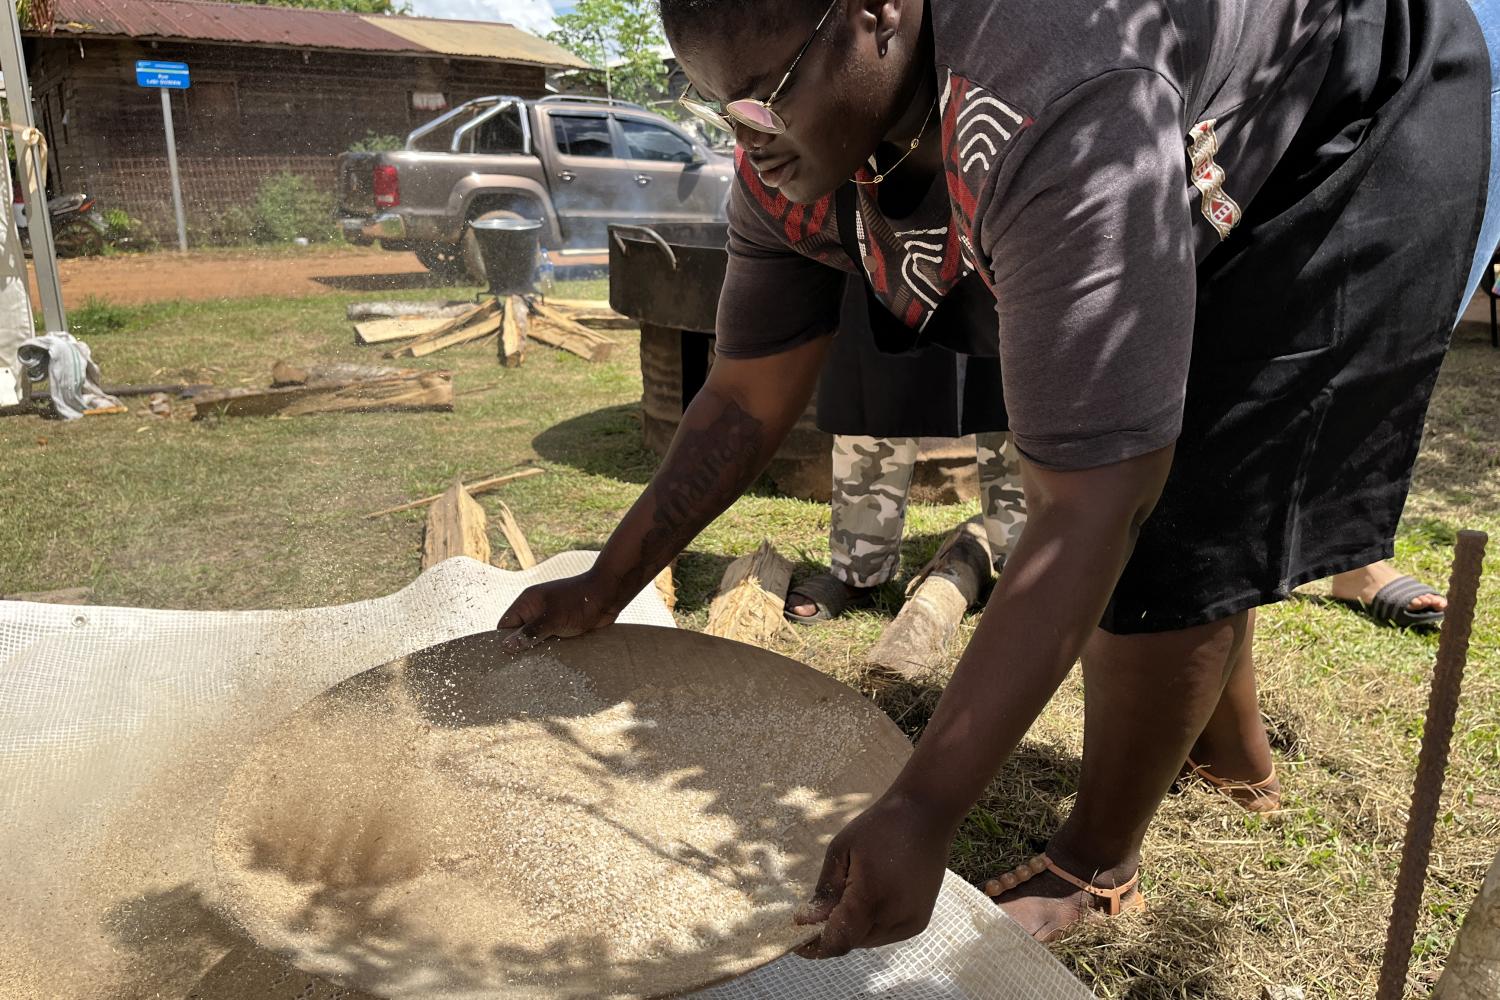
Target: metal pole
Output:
{"points": [[39, 220], [1437, 735], [166, 120]]}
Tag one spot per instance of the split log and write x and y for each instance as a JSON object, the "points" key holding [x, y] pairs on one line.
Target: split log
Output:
{"points": [[72, 595], [170, 388], [555, 330], [417, 348], [401, 310], [916, 642], [752, 597], [473, 489], [419, 391], [480, 330], [456, 526], [666, 588], [513, 332], [593, 313], [284, 374], [1473, 968], [384, 331], [515, 538]]}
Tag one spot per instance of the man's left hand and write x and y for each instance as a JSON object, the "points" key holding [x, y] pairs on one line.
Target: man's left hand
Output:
{"points": [[880, 878]]}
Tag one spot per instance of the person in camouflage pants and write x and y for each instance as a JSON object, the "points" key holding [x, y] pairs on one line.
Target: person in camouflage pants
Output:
{"points": [[871, 479]]}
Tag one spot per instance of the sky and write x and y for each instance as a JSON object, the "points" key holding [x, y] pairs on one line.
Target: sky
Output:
{"points": [[533, 15]]}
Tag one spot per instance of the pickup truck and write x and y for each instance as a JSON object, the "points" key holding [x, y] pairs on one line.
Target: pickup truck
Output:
{"points": [[579, 165]]}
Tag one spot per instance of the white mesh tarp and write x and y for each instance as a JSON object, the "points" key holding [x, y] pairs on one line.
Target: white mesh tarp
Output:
{"points": [[120, 728]]}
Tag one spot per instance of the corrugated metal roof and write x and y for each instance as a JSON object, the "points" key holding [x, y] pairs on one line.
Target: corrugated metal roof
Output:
{"points": [[461, 38], [253, 24]]}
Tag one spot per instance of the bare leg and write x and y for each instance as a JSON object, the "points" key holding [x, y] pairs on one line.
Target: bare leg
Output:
{"points": [[1233, 746], [1146, 700], [1362, 585]]}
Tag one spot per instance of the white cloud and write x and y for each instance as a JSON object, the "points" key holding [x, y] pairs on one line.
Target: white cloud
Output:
{"points": [[534, 15]]}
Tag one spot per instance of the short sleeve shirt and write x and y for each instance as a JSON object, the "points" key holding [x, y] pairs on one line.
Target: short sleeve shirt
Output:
{"points": [[1094, 155]]}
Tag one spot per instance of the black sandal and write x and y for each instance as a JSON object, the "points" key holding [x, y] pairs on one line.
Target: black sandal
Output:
{"points": [[1391, 605], [829, 595]]}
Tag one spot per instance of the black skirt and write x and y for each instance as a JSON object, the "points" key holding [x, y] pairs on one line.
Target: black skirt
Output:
{"points": [[1321, 325], [925, 390]]}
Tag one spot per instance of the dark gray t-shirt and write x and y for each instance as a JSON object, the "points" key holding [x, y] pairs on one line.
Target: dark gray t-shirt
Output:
{"points": [[1094, 154]]}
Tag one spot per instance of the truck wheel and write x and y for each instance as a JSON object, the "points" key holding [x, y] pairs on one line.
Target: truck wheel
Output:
{"points": [[473, 261], [445, 262]]}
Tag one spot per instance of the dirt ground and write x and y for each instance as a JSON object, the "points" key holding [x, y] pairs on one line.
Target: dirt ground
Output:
{"points": [[135, 279]]}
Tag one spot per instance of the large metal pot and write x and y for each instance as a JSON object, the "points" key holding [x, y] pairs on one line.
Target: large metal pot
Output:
{"points": [[668, 277]]}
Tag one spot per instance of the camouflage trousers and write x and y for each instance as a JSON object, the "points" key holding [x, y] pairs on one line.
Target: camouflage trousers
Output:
{"points": [[871, 477]]}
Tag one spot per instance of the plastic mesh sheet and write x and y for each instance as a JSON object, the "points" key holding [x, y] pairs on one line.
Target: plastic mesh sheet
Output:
{"points": [[120, 729]]}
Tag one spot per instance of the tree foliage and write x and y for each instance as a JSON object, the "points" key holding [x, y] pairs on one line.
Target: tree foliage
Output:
{"points": [[623, 38]]}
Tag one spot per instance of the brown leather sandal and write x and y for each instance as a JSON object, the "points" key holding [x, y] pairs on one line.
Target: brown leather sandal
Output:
{"points": [[1116, 903], [1263, 796]]}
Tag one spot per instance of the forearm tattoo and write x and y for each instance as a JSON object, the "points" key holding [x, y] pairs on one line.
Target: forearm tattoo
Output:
{"points": [[707, 469]]}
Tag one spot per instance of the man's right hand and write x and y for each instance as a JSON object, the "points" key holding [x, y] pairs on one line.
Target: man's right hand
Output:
{"points": [[560, 609]]}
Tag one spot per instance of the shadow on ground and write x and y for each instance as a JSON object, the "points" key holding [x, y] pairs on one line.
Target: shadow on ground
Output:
{"points": [[382, 282]]}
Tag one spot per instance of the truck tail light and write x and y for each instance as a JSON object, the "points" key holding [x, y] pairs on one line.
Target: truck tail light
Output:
{"points": [[387, 187]]}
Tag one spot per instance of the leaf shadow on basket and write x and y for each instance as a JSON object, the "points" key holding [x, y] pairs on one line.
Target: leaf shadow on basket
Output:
{"points": [[742, 733]]}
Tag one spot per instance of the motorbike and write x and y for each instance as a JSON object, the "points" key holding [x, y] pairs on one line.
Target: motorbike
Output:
{"points": [[78, 230]]}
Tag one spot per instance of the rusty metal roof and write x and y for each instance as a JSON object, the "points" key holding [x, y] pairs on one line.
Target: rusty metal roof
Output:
{"points": [[296, 27]]}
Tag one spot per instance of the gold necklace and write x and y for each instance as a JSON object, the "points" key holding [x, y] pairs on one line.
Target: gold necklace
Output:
{"points": [[909, 150]]}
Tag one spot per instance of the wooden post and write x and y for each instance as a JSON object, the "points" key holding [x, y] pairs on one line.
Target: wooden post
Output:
{"points": [[917, 640], [456, 526], [750, 605], [513, 332]]}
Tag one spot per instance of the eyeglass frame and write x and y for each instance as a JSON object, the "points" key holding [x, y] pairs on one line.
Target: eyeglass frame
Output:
{"points": [[725, 118]]}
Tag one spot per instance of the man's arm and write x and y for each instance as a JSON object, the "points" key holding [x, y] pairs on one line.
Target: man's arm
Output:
{"points": [[727, 437]]}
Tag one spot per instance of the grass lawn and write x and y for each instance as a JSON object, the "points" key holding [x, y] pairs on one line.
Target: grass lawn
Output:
{"points": [[266, 513]]}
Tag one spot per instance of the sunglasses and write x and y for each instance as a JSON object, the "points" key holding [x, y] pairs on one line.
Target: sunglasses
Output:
{"points": [[749, 112]]}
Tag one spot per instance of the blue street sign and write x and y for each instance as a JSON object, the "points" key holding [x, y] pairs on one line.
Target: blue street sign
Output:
{"points": [[166, 75]]}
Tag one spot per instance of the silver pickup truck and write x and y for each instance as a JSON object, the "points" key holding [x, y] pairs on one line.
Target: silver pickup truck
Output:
{"points": [[577, 164]]}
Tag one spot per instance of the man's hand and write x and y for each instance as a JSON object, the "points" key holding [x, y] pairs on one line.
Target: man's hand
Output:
{"points": [[880, 878], [560, 609]]}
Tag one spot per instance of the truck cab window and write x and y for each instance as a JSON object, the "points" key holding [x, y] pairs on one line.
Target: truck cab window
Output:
{"points": [[501, 134], [579, 135], [653, 142]]}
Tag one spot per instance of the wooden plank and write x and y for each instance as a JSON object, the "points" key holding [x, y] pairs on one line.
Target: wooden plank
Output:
{"points": [[515, 538], [384, 331], [486, 327], [479, 312], [916, 642], [417, 391], [456, 526], [285, 374], [555, 330], [360, 311], [593, 313], [751, 600], [473, 489], [513, 332], [71, 595], [666, 588]]}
